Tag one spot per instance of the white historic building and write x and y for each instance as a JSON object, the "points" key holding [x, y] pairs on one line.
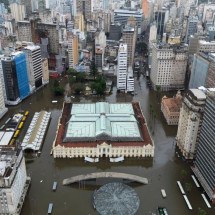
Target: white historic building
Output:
{"points": [[168, 67], [14, 181], [190, 121], [102, 129]]}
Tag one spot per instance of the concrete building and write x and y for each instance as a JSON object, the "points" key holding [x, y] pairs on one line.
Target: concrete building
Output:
{"points": [[24, 31], [170, 108], [102, 129], [73, 55], [129, 37], [204, 163], [15, 78], [84, 7], [202, 71], [122, 66], [190, 121], [152, 34], [18, 11], [192, 23], [115, 32], [45, 70], [34, 66], [3, 109], [130, 80], [205, 46], [168, 67], [14, 181], [122, 15]]}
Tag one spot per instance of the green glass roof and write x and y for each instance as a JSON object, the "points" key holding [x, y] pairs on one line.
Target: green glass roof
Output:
{"points": [[102, 120]]}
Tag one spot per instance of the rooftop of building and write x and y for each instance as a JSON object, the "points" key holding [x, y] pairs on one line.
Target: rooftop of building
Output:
{"points": [[8, 157], [87, 125], [173, 104], [199, 94], [32, 47], [123, 47]]}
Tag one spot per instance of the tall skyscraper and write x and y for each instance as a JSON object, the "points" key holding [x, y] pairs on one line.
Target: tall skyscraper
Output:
{"points": [[15, 77], [129, 37], [145, 8], [204, 164], [34, 65], [190, 122], [73, 49], [84, 7], [191, 27], [24, 31], [3, 109], [122, 66]]}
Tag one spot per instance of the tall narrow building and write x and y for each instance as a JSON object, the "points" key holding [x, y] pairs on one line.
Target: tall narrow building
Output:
{"points": [[204, 164], [122, 66], [24, 31], [129, 37], [72, 49], [3, 109], [190, 121], [34, 66]]}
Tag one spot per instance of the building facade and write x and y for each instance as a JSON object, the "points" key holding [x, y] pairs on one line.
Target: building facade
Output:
{"points": [[168, 66], [170, 108], [102, 129], [18, 11], [14, 181], [204, 164], [190, 121], [122, 66], [191, 27], [129, 38], [45, 70], [34, 66], [24, 31], [3, 109], [73, 55]]}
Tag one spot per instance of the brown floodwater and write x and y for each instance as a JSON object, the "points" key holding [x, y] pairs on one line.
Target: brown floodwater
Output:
{"points": [[162, 171]]}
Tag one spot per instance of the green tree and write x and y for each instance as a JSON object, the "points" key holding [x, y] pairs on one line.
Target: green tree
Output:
{"points": [[72, 79], [78, 88], [99, 86], [81, 76], [56, 84], [93, 70], [201, 212], [72, 72], [58, 91]]}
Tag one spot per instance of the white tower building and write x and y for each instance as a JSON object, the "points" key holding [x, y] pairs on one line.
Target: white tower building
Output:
{"points": [[122, 67], [3, 109], [190, 122], [34, 65]]}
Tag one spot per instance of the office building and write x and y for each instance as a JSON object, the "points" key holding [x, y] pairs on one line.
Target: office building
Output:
{"points": [[168, 67], [3, 109], [115, 31], [204, 164], [190, 121], [45, 70], [122, 15], [34, 66], [122, 66], [129, 37], [14, 181], [15, 78], [84, 7], [130, 80], [170, 108], [24, 31], [73, 55], [98, 129], [192, 23]]}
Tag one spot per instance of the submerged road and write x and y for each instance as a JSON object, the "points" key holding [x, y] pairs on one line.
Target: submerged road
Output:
{"points": [[95, 175]]}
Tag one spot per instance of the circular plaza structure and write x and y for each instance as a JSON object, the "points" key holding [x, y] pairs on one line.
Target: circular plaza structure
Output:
{"points": [[116, 199]]}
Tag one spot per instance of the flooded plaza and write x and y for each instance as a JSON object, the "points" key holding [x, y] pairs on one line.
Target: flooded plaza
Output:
{"points": [[162, 171]]}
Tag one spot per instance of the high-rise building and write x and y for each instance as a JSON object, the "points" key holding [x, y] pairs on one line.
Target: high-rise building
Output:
{"points": [[203, 70], [73, 50], [34, 66], [129, 37], [145, 8], [204, 164], [122, 16], [14, 181], [45, 70], [84, 7], [190, 121], [15, 77], [191, 27], [24, 31], [122, 66], [3, 109], [168, 67]]}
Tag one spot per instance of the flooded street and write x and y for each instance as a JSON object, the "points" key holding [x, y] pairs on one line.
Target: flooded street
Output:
{"points": [[162, 171]]}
